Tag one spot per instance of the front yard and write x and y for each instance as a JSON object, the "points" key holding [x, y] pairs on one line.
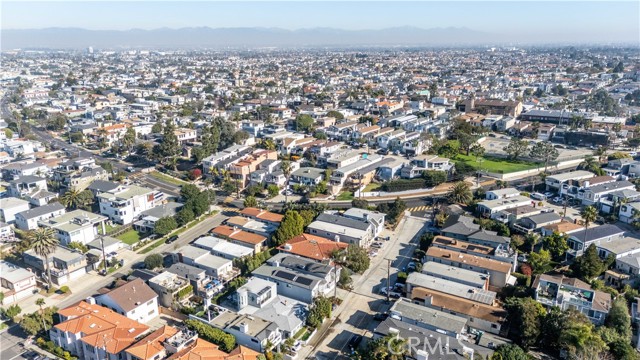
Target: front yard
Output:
{"points": [[129, 237]]}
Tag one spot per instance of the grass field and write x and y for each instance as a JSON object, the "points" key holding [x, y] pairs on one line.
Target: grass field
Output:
{"points": [[495, 165], [372, 187], [166, 178], [347, 195], [129, 237]]}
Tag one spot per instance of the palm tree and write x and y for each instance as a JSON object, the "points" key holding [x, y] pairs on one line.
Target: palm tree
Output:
{"points": [[589, 215], [532, 239], [285, 166], [43, 242], [71, 199], [460, 193], [591, 164], [600, 153], [398, 348], [40, 302]]}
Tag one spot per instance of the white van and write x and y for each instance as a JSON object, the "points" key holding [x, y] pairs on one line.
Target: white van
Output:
{"points": [[538, 196]]}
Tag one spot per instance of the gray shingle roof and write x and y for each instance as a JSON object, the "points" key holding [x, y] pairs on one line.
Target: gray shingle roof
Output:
{"points": [[343, 221], [41, 210], [597, 232]]}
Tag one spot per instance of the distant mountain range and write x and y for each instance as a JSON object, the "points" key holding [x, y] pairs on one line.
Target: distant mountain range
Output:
{"points": [[221, 38]]}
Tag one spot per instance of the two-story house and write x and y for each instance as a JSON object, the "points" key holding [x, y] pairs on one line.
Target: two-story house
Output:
{"points": [[135, 300], [124, 204]]}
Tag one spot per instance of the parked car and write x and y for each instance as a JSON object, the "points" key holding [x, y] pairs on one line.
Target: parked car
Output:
{"points": [[171, 239], [380, 316], [538, 196], [557, 200], [377, 244], [548, 194]]}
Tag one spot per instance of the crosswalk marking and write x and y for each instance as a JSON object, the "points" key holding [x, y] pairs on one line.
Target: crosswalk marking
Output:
{"points": [[419, 208]]}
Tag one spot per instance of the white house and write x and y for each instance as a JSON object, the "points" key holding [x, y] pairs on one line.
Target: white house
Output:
{"points": [[135, 300], [75, 226], [9, 207], [124, 204], [28, 220]]}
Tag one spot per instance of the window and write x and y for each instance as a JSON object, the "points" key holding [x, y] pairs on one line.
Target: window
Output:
{"points": [[494, 326], [150, 302]]}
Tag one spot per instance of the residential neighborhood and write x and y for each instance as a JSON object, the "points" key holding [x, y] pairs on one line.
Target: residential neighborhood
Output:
{"points": [[453, 203]]}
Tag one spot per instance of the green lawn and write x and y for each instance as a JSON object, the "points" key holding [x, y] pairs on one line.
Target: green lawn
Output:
{"points": [[347, 195], [371, 187], [130, 237], [108, 228], [166, 178], [496, 165]]}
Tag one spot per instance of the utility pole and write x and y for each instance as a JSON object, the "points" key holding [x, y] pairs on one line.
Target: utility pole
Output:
{"points": [[388, 279]]}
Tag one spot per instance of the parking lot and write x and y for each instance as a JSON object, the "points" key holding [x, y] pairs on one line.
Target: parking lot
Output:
{"points": [[495, 145]]}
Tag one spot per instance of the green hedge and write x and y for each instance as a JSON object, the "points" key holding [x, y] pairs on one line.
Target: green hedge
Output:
{"points": [[402, 185], [209, 333]]}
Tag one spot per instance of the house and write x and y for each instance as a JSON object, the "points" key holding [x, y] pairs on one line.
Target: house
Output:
{"points": [[93, 332], [215, 266], [535, 222], [223, 248], [593, 194], [135, 300], [217, 161], [375, 218], [198, 278], [619, 167], [428, 318], [483, 317], [361, 172], [148, 218], [618, 247], [312, 247], [299, 278], [555, 182], [152, 346], [26, 185], [457, 275], [241, 237], [576, 189], [423, 163], [10, 207], [342, 229], [262, 215], [170, 288], [545, 132], [75, 226], [185, 135], [102, 186], [491, 208], [259, 297], [242, 169], [499, 271], [501, 193], [571, 293], [16, 283], [195, 349], [124, 204], [471, 286], [501, 252], [563, 227], [65, 264], [252, 332], [580, 240], [28, 220], [251, 226], [629, 264]]}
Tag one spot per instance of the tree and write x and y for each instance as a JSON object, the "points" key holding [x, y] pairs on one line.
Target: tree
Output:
{"points": [[304, 123], [545, 152], [589, 265], [320, 135], [589, 215], [13, 311], [153, 261], [556, 243], [207, 332], [466, 141], [540, 261], [43, 242], [157, 127], [185, 216], [579, 339], [516, 148], [525, 315], [600, 153], [355, 258], [170, 146], [165, 225], [273, 190], [619, 68], [129, 138], [40, 303], [70, 199], [285, 166], [75, 137], [434, 177], [195, 174], [591, 164], [198, 205], [477, 151], [460, 193], [618, 318], [250, 201], [335, 114], [292, 225], [509, 351], [189, 191]]}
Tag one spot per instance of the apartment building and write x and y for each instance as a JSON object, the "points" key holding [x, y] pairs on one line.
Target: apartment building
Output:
{"points": [[124, 204], [241, 170]]}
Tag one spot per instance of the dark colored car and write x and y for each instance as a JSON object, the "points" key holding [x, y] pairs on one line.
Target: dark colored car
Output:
{"points": [[380, 316], [171, 239], [355, 341]]}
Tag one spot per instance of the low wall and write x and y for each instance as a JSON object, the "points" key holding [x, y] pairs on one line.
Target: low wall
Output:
{"points": [[531, 172]]}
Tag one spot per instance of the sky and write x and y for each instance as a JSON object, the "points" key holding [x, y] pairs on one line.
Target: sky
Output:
{"points": [[545, 18]]}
